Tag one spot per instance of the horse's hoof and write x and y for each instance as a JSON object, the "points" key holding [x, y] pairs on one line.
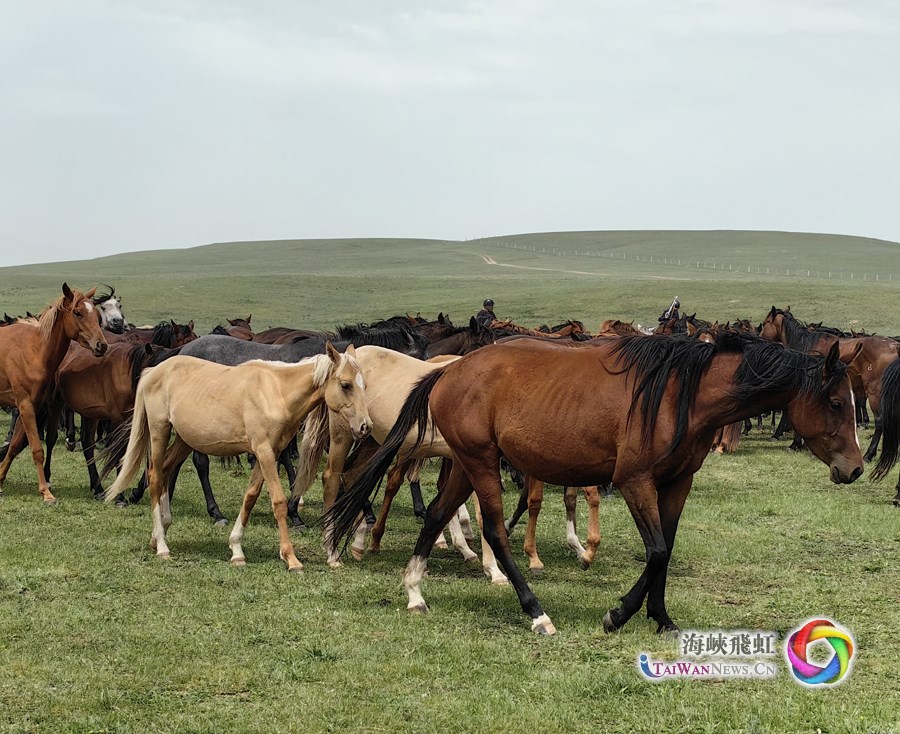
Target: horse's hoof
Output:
{"points": [[500, 580], [335, 564], [296, 569], [609, 624], [357, 553], [70, 446], [442, 544], [375, 549], [238, 562], [52, 502], [536, 570], [297, 524], [668, 631], [418, 608], [471, 559], [543, 626], [164, 556], [221, 522], [584, 563]]}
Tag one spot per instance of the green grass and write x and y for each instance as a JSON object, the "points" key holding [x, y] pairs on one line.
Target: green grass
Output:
{"points": [[98, 635]]}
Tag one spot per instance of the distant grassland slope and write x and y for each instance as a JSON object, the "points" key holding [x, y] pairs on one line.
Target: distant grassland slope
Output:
{"points": [[534, 278]]}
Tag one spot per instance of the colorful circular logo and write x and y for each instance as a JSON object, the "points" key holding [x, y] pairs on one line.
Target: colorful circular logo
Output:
{"points": [[836, 668]]}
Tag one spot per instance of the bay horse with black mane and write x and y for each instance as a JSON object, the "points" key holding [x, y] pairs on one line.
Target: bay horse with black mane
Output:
{"points": [[640, 412], [29, 357]]}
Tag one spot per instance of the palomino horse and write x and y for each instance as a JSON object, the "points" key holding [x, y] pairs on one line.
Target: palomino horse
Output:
{"points": [[229, 351], [29, 358], [389, 377], [890, 417], [256, 407], [640, 412]]}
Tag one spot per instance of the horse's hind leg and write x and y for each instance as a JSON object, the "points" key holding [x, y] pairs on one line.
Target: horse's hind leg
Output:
{"points": [[17, 442], [453, 493], [570, 498], [394, 481], [162, 517], [535, 489], [88, 441], [488, 559], [69, 416], [465, 522], [51, 433], [521, 507], [897, 496], [201, 464], [237, 532], [592, 495]]}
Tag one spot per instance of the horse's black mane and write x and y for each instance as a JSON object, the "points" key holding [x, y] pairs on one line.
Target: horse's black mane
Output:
{"points": [[767, 367], [102, 298], [220, 330], [164, 334], [390, 334], [798, 334]]}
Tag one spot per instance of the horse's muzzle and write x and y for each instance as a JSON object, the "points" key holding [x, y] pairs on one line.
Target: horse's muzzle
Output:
{"points": [[117, 326], [362, 431], [839, 477], [100, 349]]}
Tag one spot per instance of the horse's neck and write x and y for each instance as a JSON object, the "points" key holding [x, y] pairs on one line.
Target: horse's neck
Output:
{"points": [[716, 405], [298, 392], [53, 349]]}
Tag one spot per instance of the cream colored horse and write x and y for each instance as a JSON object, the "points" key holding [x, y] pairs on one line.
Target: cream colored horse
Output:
{"points": [[256, 407], [389, 377]]}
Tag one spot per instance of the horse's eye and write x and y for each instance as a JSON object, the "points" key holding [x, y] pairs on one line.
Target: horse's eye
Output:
{"points": [[78, 314], [836, 405], [346, 385]]}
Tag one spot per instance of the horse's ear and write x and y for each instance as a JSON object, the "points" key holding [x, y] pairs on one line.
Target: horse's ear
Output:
{"points": [[148, 349], [849, 359], [691, 329], [440, 318], [333, 354], [473, 324], [67, 292], [787, 310], [90, 294], [191, 324], [350, 350], [172, 321], [773, 312], [248, 319], [834, 354]]}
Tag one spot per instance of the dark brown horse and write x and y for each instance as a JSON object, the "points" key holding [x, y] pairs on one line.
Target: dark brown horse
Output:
{"points": [[890, 415], [98, 390], [29, 357], [165, 334], [635, 411]]}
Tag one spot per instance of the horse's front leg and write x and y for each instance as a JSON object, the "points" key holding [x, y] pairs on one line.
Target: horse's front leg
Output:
{"points": [[266, 460], [535, 501], [201, 464]]}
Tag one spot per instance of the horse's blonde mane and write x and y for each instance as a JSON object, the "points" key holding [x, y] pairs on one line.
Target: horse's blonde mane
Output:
{"points": [[322, 366]]}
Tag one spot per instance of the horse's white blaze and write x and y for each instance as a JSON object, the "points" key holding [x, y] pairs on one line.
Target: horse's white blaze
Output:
{"points": [[88, 306], [412, 578], [855, 427]]}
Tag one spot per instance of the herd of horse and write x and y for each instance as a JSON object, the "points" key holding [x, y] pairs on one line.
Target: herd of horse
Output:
{"points": [[626, 407]]}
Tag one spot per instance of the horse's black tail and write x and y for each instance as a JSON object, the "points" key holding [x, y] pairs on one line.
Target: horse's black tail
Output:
{"points": [[342, 517], [890, 419]]}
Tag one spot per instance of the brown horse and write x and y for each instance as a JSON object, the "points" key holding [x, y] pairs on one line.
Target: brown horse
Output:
{"points": [[635, 411], [29, 358], [98, 390]]}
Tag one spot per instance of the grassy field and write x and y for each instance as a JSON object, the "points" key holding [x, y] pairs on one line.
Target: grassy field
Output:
{"points": [[98, 635]]}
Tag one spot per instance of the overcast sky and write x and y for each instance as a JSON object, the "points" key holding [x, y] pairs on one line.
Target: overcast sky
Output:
{"points": [[140, 124]]}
